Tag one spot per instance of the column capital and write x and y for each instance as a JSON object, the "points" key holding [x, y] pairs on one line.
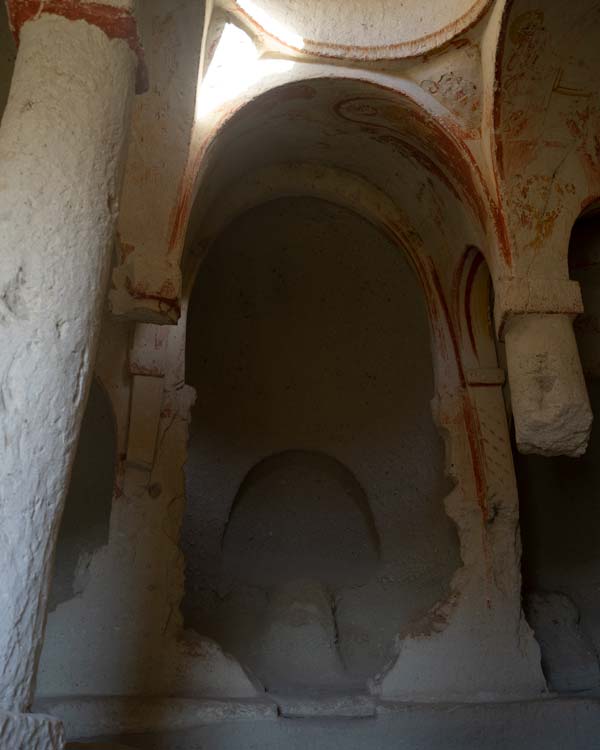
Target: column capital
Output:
{"points": [[115, 18], [520, 295]]}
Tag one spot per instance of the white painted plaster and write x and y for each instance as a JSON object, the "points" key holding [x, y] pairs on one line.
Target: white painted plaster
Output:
{"points": [[61, 149]]}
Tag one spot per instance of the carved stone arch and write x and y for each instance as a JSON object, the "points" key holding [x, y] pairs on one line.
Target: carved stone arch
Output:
{"points": [[474, 309], [426, 194], [383, 130]]}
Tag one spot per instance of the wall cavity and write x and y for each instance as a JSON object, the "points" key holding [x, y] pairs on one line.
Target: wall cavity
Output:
{"points": [[86, 518]]}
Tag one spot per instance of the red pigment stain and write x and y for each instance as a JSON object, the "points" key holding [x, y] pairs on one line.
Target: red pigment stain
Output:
{"points": [[471, 420], [469, 414], [116, 23], [460, 162], [468, 290], [408, 121], [456, 282], [166, 296], [181, 211], [180, 215]]}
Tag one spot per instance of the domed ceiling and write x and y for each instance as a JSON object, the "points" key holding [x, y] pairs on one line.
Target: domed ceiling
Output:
{"points": [[358, 29]]}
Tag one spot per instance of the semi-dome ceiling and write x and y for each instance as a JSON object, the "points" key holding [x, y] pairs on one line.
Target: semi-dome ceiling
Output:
{"points": [[361, 29]]}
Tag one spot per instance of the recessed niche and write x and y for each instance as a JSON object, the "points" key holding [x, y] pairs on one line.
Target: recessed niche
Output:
{"points": [[300, 514], [314, 522], [86, 517]]}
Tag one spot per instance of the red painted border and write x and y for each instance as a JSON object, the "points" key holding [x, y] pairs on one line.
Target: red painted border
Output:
{"points": [[116, 23]]}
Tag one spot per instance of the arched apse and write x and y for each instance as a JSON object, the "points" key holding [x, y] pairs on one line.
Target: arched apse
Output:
{"points": [[559, 508], [307, 331], [365, 130]]}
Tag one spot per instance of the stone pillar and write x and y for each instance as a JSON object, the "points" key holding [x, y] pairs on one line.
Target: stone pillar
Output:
{"points": [[62, 147], [549, 398]]}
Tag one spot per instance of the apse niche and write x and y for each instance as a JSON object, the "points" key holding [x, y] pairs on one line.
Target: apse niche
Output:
{"points": [[314, 531]]}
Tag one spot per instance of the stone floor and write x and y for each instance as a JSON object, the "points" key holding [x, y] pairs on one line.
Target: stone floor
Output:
{"points": [[550, 724]]}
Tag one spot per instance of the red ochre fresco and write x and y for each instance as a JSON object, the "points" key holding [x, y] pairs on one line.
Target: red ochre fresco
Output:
{"points": [[471, 420], [478, 260], [116, 23], [166, 296]]}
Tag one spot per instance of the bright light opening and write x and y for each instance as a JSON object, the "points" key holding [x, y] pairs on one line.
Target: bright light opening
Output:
{"points": [[230, 72], [236, 66], [276, 29]]}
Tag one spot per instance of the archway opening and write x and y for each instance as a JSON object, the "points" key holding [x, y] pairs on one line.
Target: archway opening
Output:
{"points": [[308, 346]]}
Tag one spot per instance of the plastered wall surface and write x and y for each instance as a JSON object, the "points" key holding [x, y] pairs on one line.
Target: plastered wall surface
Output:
{"points": [[297, 341], [288, 420]]}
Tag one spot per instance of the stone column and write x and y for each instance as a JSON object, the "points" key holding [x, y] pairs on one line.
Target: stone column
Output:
{"points": [[549, 398], [62, 147]]}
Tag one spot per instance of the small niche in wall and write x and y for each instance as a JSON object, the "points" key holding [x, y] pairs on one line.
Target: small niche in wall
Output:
{"points": [[86, 517], [300, 530], [300, 514]]}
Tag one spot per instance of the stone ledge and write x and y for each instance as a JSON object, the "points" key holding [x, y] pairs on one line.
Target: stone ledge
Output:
{"points": [[324, 705], [30, 732], [97, 716], [544, 724]]}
